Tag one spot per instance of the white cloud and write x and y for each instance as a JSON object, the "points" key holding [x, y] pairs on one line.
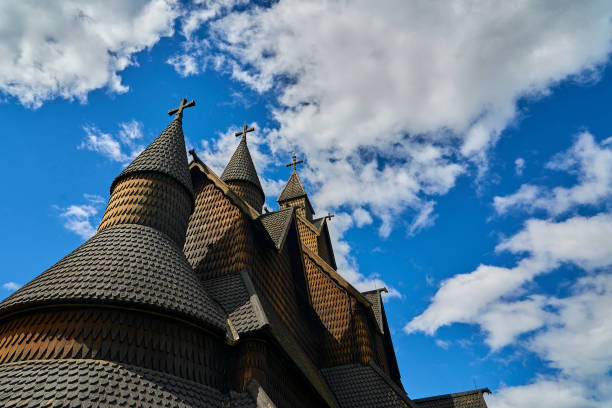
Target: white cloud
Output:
{"points": [[519, 166], [80, 219], [12, 286], [482, 296], [577, 343], [67, 49], [544, 393], [122, 148], [361, 217], [590, 161], [396, 111]]}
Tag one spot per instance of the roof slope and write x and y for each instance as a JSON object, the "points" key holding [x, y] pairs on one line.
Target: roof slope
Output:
{"points": [[293, 189], [277, 224], [241, 167], [365, 386], [125, 264], [467, 399], [76, 383], [166, 155], [236, 295], [375, 299]]}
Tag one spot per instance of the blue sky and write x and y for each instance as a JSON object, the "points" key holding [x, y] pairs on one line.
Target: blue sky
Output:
{"points": [[465, 148]]}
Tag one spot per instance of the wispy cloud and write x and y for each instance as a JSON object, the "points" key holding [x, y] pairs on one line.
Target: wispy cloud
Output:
{"points": [[121, 148], [11, 286], [81, 218], [589, 161]]}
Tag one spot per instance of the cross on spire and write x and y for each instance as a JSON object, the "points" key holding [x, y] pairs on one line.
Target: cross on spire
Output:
{"points": [[329, 216], [294, 162], [245, 130], [179, 111]]}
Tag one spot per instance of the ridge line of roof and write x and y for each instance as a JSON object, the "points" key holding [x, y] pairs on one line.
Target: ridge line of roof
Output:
{"points": [[455, 394]]}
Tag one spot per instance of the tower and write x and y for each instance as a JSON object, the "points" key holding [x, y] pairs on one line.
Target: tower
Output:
{"points": [[294, 195], [241, 176]]}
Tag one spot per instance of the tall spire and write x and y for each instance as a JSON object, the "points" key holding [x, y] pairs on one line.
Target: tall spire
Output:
{"points": [[240, 173], [166, 155], [294, 195]]}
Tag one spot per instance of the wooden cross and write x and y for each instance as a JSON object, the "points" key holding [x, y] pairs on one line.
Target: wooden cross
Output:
{"points": [[245, 130], [329, 216], [179, 110], [294, 162]]}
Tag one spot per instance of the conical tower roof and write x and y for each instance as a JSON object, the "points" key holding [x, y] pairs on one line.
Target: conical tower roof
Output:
{"points": [[166, 155], [131, 262], [293, 189], [241, 167], [131, 265]]}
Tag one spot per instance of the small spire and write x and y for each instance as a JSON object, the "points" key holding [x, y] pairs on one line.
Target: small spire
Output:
{"points": [[294, 162], [245, 130]]}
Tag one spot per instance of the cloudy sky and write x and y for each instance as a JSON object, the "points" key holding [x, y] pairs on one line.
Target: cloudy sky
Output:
{"points": [[464, 146]]}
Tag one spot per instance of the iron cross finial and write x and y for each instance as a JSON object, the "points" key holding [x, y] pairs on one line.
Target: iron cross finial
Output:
{"points": [[329, 216], [294, 162], [245, 130], [184, 104]]}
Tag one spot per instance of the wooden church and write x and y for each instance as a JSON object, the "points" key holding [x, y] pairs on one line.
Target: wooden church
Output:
{"points": [[189, 296]]}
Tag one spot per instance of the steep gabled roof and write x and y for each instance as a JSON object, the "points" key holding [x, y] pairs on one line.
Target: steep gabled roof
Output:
{"points": [[166, 155], [241, 167], [131, 265], [277, 224], [467, 399], [365, 386], [237, 296], [293, 189], [375, 299]]}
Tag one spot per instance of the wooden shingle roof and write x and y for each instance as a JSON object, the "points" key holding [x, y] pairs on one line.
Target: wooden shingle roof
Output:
{"points": [[241, 167], [123, 265], [166, 155], [293, 189], [365, 386], [277, 224], [95, 383]]}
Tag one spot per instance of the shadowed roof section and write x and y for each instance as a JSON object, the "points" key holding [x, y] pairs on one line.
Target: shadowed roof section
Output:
{"points": [[123, 265], [293, 189], [81, 383], [241, 167], [166, 155], [365, 386]]}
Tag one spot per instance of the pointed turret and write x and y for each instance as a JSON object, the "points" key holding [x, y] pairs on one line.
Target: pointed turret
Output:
{"points": [[294, 195], [155, 189], [135, 258], [241, 176]]}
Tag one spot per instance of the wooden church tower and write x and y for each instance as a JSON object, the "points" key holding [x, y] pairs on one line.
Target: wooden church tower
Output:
{"points": [[189, 296]]}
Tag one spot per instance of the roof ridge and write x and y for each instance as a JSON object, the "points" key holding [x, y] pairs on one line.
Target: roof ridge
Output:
{"points": [[455, 394]]}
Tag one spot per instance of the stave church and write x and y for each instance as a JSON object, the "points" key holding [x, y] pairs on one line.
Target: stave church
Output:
{"points": [[189, 295]]}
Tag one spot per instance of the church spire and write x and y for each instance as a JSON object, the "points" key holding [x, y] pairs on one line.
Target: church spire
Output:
{"points": [[240, 173], [294, 195], [155, 190]]}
